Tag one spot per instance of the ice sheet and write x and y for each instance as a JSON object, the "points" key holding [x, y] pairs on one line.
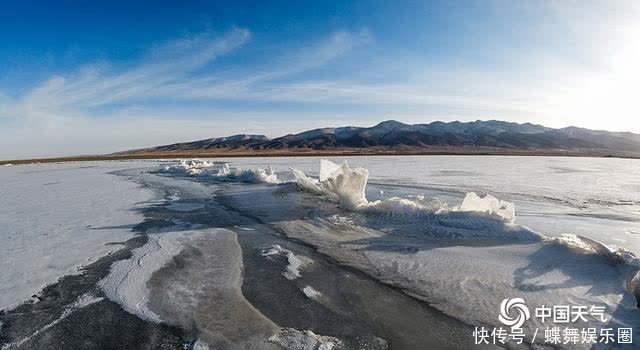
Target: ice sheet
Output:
{"points": [[202, 294], [58, 217], [126, 283]]}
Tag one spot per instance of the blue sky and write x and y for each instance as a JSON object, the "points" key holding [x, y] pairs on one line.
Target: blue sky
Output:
{"points": [[80, 77]]}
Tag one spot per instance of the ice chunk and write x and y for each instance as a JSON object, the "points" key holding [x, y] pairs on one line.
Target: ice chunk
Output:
{"points": [[224, 171], [311, 185], [327, 168], [256, 175], [199, 168], [349, 185], [189, 167], [342, 184], [269, 171], [488, 204]]}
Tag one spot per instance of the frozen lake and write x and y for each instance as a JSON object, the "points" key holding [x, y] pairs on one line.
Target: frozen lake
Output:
{"points": [[209, 251]]}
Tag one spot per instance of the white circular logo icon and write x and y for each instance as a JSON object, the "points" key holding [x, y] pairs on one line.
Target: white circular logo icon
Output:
{"points": [[513, 312]]}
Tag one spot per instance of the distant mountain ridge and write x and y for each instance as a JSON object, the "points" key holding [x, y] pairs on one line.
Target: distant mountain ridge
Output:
{"points": [[392, 135], [235, 141]]}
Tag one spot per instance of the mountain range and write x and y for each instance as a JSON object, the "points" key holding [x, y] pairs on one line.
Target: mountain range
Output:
{"points": [[490, 137]]}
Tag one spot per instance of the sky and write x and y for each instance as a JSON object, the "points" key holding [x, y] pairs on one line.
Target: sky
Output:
{"points": [[91, 77]]}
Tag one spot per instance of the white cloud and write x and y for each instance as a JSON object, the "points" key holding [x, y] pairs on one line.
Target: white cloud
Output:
{"points": [[96, 86], [100, 108]]}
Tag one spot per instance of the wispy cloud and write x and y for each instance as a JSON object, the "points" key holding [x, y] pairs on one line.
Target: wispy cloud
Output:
{"points": [[255, 84], [98, 85], [101, 107], [167, 73]]}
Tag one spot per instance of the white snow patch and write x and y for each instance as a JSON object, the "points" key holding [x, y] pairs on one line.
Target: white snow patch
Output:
{"points": [[311, 293], [295, 262], [200, 345], [293, 339]]}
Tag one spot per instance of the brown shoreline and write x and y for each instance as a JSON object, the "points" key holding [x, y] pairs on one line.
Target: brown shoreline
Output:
{"points": [[242, 153]]}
